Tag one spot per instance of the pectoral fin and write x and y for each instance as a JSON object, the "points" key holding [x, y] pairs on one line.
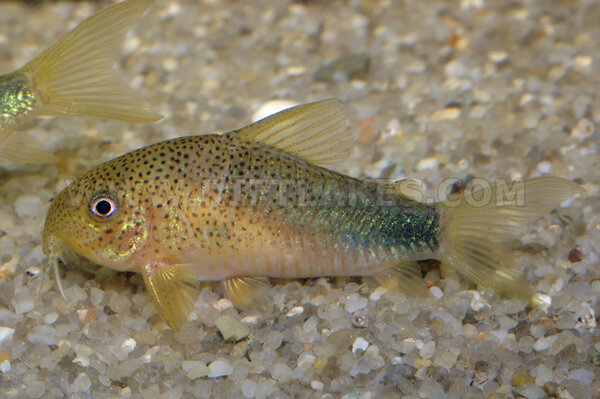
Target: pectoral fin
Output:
{"points": [[170, 289], [246, 292], [22, 148]]}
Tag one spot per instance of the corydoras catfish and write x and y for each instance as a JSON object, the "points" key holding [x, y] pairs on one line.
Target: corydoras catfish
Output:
{"points": [[258, 202]]}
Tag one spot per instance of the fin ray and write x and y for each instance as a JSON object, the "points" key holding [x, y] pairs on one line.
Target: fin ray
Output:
{"points": [[405, 277], [246, 292], [170, 289], [315, 132], [478, 237], [75, 76], [22, 148]]}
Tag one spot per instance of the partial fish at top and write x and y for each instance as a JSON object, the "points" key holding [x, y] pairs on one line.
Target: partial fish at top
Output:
{"points": [[74, 77]]}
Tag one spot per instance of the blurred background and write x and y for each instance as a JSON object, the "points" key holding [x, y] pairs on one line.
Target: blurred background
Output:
{"points": [[434, 90]]}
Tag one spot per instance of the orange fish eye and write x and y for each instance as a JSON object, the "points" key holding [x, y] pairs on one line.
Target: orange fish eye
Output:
{"points": [[103, 205]]}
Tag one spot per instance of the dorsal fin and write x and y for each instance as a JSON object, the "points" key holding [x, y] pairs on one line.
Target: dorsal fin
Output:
{"points": [[316, 132]]}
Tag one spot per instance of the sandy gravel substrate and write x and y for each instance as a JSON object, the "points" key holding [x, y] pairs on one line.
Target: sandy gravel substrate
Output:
{"points": [[435, 90]]}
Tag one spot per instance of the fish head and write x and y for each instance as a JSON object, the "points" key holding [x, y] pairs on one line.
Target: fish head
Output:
{"points": [[95, 218]]}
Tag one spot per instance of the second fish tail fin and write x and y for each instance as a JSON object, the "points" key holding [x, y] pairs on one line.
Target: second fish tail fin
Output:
{"points": [[479, 226], [75, 76]]}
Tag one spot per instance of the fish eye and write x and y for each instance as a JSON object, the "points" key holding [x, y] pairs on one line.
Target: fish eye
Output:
{"points": [[103, 205]]}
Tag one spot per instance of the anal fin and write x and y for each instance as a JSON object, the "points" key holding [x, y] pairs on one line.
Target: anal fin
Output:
{"points": [[247, 292], [170, 289], [405, 277]]}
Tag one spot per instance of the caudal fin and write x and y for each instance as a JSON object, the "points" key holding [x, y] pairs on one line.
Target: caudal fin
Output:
{"points": [[479, 225], [75, 76]]}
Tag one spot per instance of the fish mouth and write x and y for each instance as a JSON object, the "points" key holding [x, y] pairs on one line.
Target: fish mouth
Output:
{"points": [[57, 251]]}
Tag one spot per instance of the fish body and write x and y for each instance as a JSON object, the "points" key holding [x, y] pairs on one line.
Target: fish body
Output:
{"points": [[258, 202], [73, 77], [241, 209]]}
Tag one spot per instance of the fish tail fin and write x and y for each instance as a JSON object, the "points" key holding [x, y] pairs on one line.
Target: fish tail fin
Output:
{"points": [[75, 76], [478, 227]]}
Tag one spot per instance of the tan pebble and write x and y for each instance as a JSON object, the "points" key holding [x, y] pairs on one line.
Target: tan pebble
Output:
{"points": [[240, 349], [295, 70], [198, 372], [521, 379], [63, 306], [421, 363], [444, 114], [223, 304], [498, 57], [480, 377], [86, 315], [321, 362], [231, 328], [366, 130], [8, 268], [581, 62]]}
